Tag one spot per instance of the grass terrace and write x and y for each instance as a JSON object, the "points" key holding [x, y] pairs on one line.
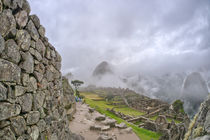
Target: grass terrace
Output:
{"points": [[97, 102]]}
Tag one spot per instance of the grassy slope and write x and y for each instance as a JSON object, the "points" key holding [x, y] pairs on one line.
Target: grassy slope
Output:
{"points": [[101, 106], [168, 119]]}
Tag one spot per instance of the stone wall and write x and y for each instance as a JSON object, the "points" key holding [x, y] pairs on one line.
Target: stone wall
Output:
{"points": [[32, 102]]}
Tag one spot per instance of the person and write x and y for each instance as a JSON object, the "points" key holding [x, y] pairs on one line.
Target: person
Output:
{"points": [[76, 99]]}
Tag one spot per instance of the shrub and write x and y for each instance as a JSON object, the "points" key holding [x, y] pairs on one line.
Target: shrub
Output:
{"points": [[178, 106]]}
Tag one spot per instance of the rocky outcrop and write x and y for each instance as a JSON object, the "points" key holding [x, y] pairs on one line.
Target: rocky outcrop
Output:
{"points": [[194, 92], [173, 132], [199, 128], [34, 102]]}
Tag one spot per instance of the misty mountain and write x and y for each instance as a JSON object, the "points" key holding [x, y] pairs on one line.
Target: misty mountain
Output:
{"points": [[165, 87], [194, 92], [102, 69], [191, 88], [209, 85]]}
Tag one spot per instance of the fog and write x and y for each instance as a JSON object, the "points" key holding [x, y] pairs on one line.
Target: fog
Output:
{"points": [[138, 37]]}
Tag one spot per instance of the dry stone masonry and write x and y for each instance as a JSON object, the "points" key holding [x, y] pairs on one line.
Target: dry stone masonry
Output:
{"points": [[34, 104]]}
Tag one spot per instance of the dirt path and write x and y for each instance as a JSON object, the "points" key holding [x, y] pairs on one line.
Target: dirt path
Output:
{"points": [[83, 120]]}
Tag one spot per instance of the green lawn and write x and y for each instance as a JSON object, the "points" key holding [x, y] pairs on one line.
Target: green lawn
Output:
{"points": [[168, 119], [103, 104], [138, 123], [129, 111], [91, 96], [101, 107]]}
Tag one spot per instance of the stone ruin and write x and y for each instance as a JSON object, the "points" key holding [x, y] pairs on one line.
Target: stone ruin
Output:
{"points": [[34, 105], [120, 114], [169, 130]]}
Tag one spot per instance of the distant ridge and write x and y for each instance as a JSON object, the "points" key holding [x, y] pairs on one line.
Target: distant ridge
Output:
{"points": [[102, 69]]}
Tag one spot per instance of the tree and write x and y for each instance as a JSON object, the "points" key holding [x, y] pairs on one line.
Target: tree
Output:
{"points": [[109, 97], [76, 84], [178, 106]]}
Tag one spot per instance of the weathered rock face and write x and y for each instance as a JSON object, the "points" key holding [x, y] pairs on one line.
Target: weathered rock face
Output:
{"points": [[199, 128], [194, 92], [34, 102]]}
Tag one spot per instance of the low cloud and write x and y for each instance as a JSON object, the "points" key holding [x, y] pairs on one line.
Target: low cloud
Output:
{"points": [[138, 36]]}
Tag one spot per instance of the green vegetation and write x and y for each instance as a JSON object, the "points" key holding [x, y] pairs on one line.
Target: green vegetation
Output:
{"points": [[67, 107], [91, 96], [168, 119], [106, 104], [101, 107], [129, 111], [138, 123], [178, 106], [76, 84], [109, 97]]}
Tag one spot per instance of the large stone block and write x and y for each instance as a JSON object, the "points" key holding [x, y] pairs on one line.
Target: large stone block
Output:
{"points": [[1, 6], [23, 39], [33, 117], [32, 86], [27, 63], [35, 20], [25, 102], [25, 79], [13, 4], [18, 124], [11, 51], [38, 76], [4, 124], [36, 54], [21, 18], [41, 31], [8, 110], [2, 44], [32, 30], [40, 47], [19, 90], [26, 6], [34, 132], [9, 72], [3, 92], [41, 125], [39, 98], [7, 22], [7, 134]]}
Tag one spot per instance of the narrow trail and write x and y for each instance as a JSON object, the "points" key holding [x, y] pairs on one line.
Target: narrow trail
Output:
{"points": [[83, 120]]}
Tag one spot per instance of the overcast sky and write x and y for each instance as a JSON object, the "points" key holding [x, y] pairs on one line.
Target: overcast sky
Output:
{"points": [[144, 35]]}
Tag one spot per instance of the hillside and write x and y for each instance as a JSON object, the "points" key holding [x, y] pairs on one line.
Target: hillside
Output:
{"points": [[38, 103], [138, 110]]}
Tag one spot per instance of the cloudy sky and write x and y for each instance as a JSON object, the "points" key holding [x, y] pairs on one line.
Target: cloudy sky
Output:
{"points": [[142, 35]]}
